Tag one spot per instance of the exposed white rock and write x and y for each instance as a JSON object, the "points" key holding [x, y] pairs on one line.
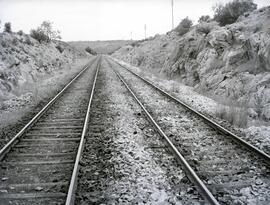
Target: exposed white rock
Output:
{"points": [[231, 63]]}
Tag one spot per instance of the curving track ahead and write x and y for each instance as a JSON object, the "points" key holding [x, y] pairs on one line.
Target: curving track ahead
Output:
{"points": [[39, 165], [227, 168]]}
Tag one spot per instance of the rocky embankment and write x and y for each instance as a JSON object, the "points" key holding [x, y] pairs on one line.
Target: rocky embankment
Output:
{"points": [[31, 73], [25, 62], [231, 64]]}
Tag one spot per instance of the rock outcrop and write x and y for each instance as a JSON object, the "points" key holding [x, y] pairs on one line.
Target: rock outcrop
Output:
{"points": [[230, 63]]}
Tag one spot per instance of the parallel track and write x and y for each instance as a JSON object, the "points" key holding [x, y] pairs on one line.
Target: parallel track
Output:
{"points": [[40, 164], [221, 169], [261, 154]]}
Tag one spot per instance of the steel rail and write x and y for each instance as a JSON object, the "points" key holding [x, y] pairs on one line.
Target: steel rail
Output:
{"points": [[206, 194], [70, 200], [15, 139], [261, 154]]}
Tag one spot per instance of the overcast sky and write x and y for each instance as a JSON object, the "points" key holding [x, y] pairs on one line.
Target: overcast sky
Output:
{"points": [[104, 19]]}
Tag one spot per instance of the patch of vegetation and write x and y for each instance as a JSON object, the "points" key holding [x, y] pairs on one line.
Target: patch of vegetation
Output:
{"points": [[7, 27], [59, 48], [28, 41], [45, 33], [184, 26], [235, 115], [204, 28], [204, 18], [135, 44], [229, 13], [20, 32], [90, 50], [39, 35]]}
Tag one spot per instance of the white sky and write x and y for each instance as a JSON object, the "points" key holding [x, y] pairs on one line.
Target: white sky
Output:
{"points": [[104, 19]]}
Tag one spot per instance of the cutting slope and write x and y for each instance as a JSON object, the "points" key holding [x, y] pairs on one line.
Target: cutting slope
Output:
{"points": [[231, 63]]}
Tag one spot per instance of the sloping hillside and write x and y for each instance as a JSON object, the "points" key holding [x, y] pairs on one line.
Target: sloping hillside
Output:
{"points": [[150, 53], [104, 47], [24, 61], [230, 64]]}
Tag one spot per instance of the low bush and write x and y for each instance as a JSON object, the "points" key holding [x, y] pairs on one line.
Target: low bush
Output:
{"points": [[28, 41], [45, 33], [204, 28], [229, 13], [184, 26], [47, 28], [204, 18], [20, 32], [59, 48], [90, 50], [135, 44], [39, 35], [7, 27]]}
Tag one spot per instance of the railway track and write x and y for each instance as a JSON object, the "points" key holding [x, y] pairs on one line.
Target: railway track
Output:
{"points": [[96, 168], [117, 153], [40, 164], [225, 168]]}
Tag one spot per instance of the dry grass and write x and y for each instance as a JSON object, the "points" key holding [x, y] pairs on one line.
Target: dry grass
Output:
{"points": [[175, 88], [235, 115], [233, 111]]}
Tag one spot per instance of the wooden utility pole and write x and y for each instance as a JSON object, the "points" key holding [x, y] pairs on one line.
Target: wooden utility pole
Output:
{"points": [[172, 17]]}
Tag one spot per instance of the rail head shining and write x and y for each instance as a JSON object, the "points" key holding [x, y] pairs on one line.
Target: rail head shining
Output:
{"points": [[261, 154], [206, 194], [15, 139], [70, 199]]}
